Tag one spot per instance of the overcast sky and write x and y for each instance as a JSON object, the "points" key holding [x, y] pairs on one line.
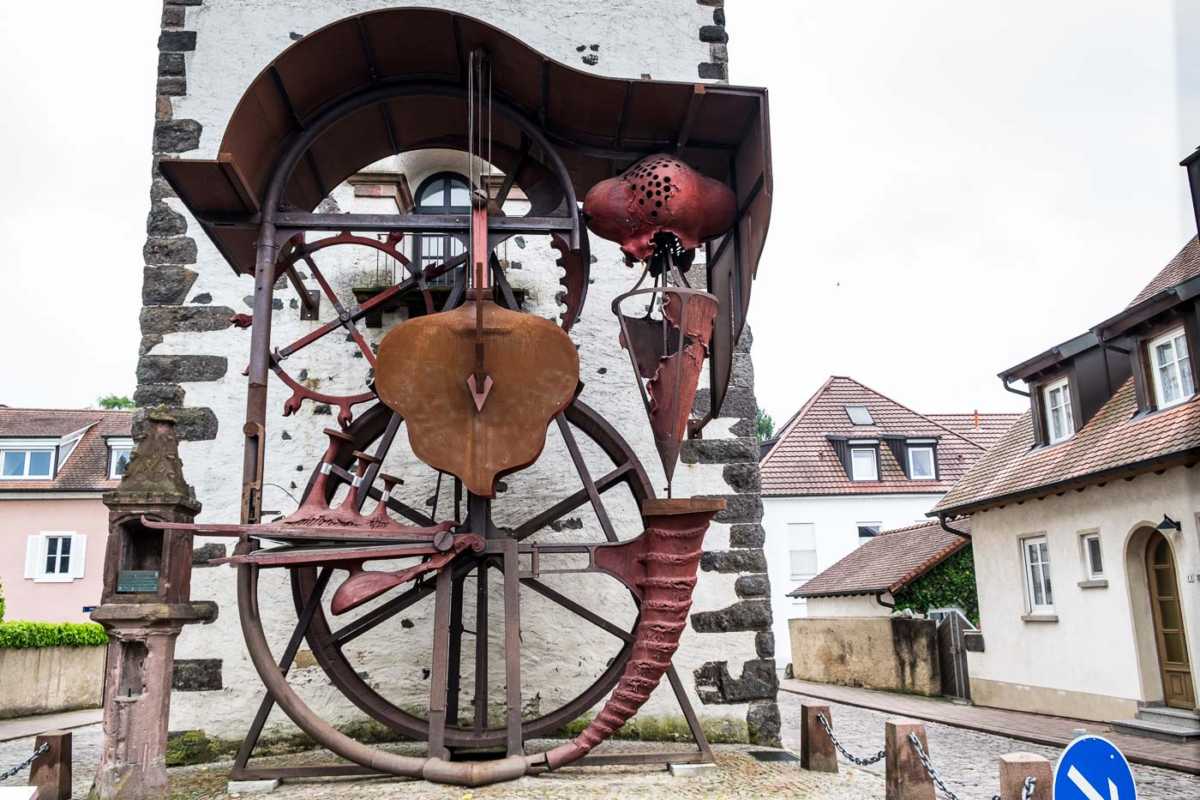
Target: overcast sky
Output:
{"points": [[958, 186]]}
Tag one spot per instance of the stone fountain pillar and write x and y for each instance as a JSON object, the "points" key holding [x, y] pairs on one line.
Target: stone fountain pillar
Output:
{"points": [[145, 603]]}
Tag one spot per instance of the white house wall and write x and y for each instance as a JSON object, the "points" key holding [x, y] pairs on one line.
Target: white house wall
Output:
{"points": [[1096, 660], [836, 520], [192, 361]]}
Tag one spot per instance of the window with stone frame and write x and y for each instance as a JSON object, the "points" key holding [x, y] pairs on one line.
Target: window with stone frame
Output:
{"points": [[1039, 592]]}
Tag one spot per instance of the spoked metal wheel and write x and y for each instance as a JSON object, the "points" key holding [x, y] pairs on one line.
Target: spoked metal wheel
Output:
{"points": [[332, 639]]}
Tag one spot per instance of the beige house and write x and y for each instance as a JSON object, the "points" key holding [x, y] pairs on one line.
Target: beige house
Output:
{"points": [[1084, 520]]}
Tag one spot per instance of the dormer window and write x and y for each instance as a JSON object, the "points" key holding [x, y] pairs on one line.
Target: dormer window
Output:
{"points": [[1171, 369], [119, 451], [921, 465], [26, 460], [864, 464], [1060, 420]]}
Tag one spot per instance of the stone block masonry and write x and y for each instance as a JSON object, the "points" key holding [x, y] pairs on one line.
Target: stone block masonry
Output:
{"points": [[192, 358]]}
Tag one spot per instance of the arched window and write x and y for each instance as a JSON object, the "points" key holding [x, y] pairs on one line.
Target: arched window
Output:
{"points": [[443, 193]]}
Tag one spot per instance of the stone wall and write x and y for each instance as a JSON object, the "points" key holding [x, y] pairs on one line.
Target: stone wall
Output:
{"points": [[192, 359], [896, 653], [46, 680]]}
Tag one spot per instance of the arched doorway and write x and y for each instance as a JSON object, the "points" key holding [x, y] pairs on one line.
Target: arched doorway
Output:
{"points": [[1169, 634]]}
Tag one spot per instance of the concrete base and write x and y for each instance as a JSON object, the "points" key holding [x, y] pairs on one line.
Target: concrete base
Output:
{"points": [[691, 770], [252, 787]]}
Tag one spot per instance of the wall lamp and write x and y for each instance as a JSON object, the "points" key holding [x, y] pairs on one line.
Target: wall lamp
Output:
{"points": [[1169, 524]]}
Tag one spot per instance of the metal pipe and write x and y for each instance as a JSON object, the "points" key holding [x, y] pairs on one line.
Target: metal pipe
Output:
{"points": [[946, 527], [879, 599], [1008, 388]]}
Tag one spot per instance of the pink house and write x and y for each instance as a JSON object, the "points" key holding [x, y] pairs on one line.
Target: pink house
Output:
{"points": [[54, 467]]}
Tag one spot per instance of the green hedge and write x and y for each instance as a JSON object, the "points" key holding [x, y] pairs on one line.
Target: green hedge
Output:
{"points": [[27, 635], [950, 583]]}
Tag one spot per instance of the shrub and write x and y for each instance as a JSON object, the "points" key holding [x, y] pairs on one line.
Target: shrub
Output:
{"points": [[950, 583], [19, 635]]}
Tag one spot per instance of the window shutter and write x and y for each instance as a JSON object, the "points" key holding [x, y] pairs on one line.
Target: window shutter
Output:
{"points": [[33, 551], [78, 555]]}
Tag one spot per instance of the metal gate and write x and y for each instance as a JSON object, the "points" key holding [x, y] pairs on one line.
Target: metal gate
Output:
{"points": [[952, 624]]}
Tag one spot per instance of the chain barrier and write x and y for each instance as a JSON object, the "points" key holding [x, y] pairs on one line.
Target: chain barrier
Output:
{"points": [[853, 759], [1027, 788], [9, 773]]}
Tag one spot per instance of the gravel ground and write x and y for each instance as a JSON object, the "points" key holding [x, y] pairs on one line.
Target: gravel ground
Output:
{"points": [[967, 760]]}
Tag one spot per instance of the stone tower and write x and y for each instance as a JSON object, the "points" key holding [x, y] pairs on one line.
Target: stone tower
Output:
{"points": [[192, 357]]}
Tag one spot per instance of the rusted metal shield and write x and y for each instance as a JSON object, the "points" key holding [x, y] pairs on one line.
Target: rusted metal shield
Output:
{"points": [[658, 194], [422, 374]]}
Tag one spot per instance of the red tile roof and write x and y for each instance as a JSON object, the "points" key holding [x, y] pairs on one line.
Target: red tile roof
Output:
{"points": [[1185, 266], [983, 429], [1112, 440], [804, 462], [86, 468], [887, 563]]}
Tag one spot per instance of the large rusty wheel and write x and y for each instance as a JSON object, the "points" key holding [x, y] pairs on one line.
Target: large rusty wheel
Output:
{"points": [[328, 637]]}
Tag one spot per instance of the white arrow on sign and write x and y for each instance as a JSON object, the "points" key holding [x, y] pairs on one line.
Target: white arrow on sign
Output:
{"points": [[1089, 791]]}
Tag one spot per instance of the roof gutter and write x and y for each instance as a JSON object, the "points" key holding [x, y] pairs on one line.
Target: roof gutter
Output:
{"points": [[946, 527]]}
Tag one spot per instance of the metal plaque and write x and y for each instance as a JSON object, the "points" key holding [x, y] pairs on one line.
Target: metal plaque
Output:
{"points": [[137, 581]]}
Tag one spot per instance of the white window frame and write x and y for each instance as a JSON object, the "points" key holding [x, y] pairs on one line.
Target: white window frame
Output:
{"points": [[1044, 573], [28, 446], [912, 473], [115, 445], [37, 548], [1063, 384], [1187, 392], [874, 451], [791, 529], [1085, 537]]}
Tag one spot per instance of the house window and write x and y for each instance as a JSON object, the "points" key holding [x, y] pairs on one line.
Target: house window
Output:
{"points": [[859, 415], [863, 464], [1060, 421], [802, 550], [17, 463], [1172, 371], [443, 193], [921, 464], [1039, 592], [1093, 562], [119, 452], [868, 530], [55, 556]]}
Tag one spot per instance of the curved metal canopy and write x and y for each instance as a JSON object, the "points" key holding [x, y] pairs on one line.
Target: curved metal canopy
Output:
{"points": [[394, 80]]}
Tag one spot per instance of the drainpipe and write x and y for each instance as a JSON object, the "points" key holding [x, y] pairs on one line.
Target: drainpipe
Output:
{"points": [[948, 529], [879, 599], [1008, 388]]}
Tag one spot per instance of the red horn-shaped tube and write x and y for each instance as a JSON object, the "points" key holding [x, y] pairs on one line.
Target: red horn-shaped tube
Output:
{"points": [[661, 565]]}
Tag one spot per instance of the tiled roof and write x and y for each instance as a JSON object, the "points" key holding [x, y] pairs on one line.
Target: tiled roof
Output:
{"points": [[1113, 439], [1185, 266], [804, 462], [983, 429], [888, 562], [86, 469]]}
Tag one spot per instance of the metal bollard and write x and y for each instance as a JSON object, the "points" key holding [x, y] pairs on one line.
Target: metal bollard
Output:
{"points": [[816, 748], [906, 776], [1016, 767], [51, 771]]}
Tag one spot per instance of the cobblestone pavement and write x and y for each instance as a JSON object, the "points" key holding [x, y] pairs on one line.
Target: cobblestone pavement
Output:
{"points": [[966, 760]]}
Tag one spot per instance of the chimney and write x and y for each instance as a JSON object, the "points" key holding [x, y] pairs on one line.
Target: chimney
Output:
{"points": [[1192, 163], [977, 419]]}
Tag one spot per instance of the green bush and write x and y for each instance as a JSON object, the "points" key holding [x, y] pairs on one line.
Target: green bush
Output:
{"points": [[950, 583], [26, 635]]}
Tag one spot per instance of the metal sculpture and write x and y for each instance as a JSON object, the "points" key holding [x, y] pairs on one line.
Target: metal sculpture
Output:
{"points": [[473, 386]]}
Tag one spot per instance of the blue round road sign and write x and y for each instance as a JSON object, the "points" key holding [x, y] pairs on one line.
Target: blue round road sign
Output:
{"points": [[1092, 768]]}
